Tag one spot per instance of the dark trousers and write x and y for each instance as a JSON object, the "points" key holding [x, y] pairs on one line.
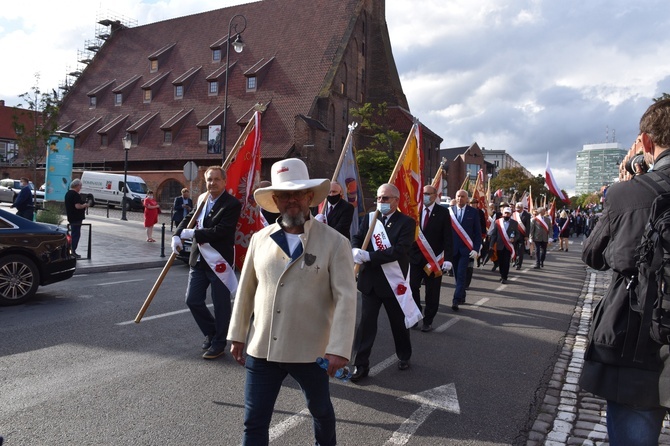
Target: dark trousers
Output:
{"points": [[367, 329], [504, 258], [27, 213], [200, 277], [433, 284], [520, 248], [540, 253], [460, 263], [75, 232]]}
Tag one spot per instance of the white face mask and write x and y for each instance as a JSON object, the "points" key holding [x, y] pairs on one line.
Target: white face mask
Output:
{"points": [[426, 200], [384, 208]]}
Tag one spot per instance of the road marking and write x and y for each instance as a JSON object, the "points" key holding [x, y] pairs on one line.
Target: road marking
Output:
{"points": [[480, 302], [447, 324], [288, 424], [120, 281], [443, 398], [159, 316]]}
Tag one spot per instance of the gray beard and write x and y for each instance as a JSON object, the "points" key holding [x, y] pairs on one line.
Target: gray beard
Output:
{"points": [[291, 222]]}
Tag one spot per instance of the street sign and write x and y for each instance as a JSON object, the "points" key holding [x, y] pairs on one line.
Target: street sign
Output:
{"points": [[191, 171]]}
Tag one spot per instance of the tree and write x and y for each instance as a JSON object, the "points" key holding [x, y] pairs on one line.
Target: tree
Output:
{"points": [[35, 126], [514, 179], [374, 167], [374, 120]]}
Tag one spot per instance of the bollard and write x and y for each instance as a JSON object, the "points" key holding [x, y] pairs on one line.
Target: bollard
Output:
{"points": [[107, 211], [162, 239]]}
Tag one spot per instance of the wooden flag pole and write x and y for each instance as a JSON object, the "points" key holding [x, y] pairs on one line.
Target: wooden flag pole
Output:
{"points": [[391, 180], [194, 219]]}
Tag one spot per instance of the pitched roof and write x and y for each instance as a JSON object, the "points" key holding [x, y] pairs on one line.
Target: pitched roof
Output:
{"points": [[306, 39]]}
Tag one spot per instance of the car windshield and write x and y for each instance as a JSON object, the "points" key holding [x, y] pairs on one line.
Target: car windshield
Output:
{"points": [[138, 188]]}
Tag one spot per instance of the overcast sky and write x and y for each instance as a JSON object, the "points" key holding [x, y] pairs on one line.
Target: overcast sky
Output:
{"points": [[525, 76]]}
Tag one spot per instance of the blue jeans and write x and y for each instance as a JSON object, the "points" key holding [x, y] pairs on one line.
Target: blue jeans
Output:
{"points": [[199, 278], [263, 382], [631, 426], [75, 232]]}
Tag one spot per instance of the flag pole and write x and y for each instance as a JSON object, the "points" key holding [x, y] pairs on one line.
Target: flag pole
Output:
{"points": [[438, 175], [194, 219], [340, 161], [391, 180]]}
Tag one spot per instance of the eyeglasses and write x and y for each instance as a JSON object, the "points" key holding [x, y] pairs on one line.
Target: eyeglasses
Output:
{"points": [[385, 198], [428, 194], [286, 196]]}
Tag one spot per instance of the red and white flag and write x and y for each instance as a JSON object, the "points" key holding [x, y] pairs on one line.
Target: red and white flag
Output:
{"points": [[552, 186]]}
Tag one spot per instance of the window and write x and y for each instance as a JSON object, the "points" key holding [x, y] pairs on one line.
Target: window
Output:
{"points": [[134, 138], [213, 87], [204, 135], [251, 83], [178, 91], [92, 101], [153, 66], [103, 140], [167, 136], [343, 88], [118, 98], [471, 171], [216, 55], [147, 95]]}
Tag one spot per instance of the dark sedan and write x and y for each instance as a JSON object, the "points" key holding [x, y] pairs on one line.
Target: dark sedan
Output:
{"points": [[31, 254]]}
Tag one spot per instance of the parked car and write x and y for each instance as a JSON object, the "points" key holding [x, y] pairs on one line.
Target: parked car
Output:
{"points": [[9, 189], [31, 255]]}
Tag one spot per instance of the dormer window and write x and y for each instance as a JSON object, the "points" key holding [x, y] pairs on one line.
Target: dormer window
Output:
{"points": [[167, 136], [103, 140], [147, 95], [213, 88], [161, 55], [257, 73], [92, 101], [178, 91], [251, 83], [118, 98], [153, 65], [216, 55]]}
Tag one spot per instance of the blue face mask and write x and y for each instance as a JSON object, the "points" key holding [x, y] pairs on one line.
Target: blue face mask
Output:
{"points": [[426, 200], [384, 208]]}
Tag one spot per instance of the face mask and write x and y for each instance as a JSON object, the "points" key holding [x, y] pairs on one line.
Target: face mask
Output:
{"points": [[384, 208], [333, 199], [426, 200], [507, 218]]}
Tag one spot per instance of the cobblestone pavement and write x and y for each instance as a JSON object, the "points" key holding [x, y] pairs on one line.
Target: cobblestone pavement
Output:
{"points": [[567, 415]]}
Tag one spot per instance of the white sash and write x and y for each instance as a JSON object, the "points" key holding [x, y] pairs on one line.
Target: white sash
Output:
{"points": [[393, 273], [501, 230], [456, 226], [517, 217], [214, 259], [434, 262], [541, 221]]}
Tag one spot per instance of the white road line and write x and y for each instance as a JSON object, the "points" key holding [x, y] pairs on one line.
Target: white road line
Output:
{"points": [[159, 316], [480, 302], [281, 428], [447, 324], [120, 281]]}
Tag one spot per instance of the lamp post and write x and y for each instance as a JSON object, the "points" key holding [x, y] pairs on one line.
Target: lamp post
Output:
{"points": [[127, 142], [238, 46]]}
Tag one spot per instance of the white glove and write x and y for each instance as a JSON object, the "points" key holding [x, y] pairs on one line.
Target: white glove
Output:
{"points": [[446, 266], [176, 244], [473, 254], [187, 234], [320, 218], [360, 256]]}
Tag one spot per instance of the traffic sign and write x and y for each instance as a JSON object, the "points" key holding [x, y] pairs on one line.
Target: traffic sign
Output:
{"points": [[191, 171]]}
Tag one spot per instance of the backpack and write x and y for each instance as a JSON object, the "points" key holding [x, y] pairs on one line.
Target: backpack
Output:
{"points": [[652, 285]]}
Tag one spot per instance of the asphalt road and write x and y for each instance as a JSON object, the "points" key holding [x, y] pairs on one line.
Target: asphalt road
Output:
{"points": [[75, 369]]}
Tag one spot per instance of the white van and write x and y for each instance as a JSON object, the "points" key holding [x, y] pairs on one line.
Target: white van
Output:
{"points": [[107, 188]]}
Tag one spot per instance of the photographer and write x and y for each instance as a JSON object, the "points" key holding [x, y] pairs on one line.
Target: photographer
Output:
{"points": [[75, 208]]}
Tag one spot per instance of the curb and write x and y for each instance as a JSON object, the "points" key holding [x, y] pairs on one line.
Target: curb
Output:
{"points": [[120, 267]]}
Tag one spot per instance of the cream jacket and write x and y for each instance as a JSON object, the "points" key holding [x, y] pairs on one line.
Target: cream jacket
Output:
{"points": [[303, 309]]}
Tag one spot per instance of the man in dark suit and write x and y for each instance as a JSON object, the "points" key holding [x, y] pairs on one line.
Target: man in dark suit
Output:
{"points": [[522, 217], [383, 279], [182, 206], [339, 213], [503, 233], [467, 237], [425, 260], [211, 260]]}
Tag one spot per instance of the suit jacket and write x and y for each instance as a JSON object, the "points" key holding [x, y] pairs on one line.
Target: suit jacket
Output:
{"points": [[400, 229], [219, 228], [537, 232], [439, 236], [472, 226], [178, 207], [301, 309], [497, 238], [341, 216]]}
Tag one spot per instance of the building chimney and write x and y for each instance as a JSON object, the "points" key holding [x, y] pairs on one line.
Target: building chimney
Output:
{"points": [[2, 102]]}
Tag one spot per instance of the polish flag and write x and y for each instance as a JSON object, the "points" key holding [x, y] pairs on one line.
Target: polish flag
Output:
{"points": [[552, 186]]}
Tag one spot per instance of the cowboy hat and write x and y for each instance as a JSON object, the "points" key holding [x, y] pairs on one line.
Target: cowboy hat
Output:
{"points": [[290, 175]]}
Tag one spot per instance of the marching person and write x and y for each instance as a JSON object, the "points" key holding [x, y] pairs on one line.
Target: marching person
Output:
{"points": [[522, 218], [467, 239], [296, 302], [503, 233], [563, 230], [339, 213], [211, 260], [383, 280], [430, 255], [539, 236]]}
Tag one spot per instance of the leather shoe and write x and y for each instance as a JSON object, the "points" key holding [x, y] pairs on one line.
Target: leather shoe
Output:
{"points": [[426, 328], [495, 267], [503, 281], [536, 267], [359, 374], [207, 343], [403, 365], [518, 267], [214, 352], [415, 326], [454, 307]]}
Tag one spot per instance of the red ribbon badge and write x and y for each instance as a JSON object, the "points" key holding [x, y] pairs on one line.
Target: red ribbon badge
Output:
{"points": [[401, 289], [220, 267]]}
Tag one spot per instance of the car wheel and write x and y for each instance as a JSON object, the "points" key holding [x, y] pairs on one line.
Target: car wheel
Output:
{"points": [[19, 279]]}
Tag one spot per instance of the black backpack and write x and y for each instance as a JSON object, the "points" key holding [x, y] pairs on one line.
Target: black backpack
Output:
{"points": [[652, 285]]}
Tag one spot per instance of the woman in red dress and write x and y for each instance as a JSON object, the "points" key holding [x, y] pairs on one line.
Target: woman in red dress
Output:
{"points": [[151, 210]]}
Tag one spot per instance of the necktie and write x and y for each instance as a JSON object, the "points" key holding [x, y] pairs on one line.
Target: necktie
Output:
{"points": [[383, 220], [330, 208], [460, 215], [425, 219]]}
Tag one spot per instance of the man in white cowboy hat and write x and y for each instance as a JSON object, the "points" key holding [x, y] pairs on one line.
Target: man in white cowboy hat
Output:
{"points": [[298, 284]]}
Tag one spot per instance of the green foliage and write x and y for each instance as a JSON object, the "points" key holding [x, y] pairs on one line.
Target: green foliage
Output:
{"points": [[49, 216], [375, 122], [374, 166], [584, 200], [514, 179]]}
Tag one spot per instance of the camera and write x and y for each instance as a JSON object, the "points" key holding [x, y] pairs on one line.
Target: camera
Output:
{"points": [[636, 160]]}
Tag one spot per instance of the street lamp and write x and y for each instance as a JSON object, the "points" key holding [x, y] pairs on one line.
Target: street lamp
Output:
{"points": [[127, 142], [238, 46]]}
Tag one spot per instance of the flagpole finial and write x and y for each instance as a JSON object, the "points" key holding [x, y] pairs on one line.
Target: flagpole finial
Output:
{"points": [[353, 126]]}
